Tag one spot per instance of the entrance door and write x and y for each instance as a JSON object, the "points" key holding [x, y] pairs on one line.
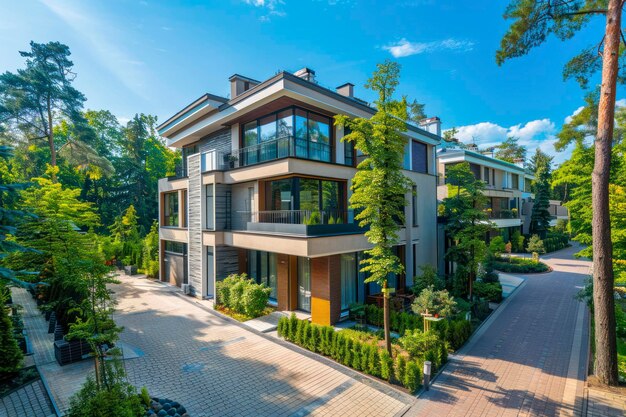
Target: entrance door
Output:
{"points": [[304, 284]]}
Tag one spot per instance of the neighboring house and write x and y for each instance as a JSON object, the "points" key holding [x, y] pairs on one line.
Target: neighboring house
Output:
{"points": [[265, 188], [557, 210]]}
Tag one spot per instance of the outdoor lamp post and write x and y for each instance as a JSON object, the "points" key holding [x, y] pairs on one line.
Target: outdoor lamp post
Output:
{"points": [[427, 367]]}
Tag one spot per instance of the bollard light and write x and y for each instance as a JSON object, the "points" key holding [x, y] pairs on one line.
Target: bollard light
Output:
{"points": [[427, 369]]}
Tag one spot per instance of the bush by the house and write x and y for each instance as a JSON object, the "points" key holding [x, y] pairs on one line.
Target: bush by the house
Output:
{"points": [[428, 278], [491, 291], [454, 332], [519, 265], [497, 245], [350, 350], [243, 295], [555, 241], [10, 354], [400, 321]]}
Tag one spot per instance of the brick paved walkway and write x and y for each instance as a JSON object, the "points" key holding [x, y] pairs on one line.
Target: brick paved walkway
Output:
{"points": [[30, 400], [216, 367], [529, 359]]}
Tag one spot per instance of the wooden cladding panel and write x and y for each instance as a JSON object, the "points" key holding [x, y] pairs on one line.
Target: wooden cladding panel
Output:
{"points": [[283, 282], [326, 289]]}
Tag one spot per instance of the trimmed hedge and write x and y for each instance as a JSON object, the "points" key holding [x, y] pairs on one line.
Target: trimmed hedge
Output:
{"points": [[399, 321], [555, 241], [491, 291], [365, 357], [519, 265]]}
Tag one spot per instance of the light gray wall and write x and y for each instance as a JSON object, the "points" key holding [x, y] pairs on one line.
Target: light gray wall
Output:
{"points": [[226, 262], [194, 247]]}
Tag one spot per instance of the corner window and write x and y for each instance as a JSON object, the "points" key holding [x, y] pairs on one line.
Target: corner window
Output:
{"points": [[348, 149], [414, 206]]}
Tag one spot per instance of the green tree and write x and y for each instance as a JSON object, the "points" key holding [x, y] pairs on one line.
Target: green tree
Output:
{"points": [[379, 186], [467, 224], [533, 22], [10, 354], [510, 150], [416, 112], [37, 97], [540, 217], [434, 302]]}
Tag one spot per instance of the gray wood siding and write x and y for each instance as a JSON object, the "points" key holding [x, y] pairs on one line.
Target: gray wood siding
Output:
{"points": [[194, 247], [226, 260], [223, 202], [219, 140]]}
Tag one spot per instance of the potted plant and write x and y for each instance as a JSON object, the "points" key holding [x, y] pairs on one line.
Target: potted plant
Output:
{"points": [[231, 160], [129, 269]]}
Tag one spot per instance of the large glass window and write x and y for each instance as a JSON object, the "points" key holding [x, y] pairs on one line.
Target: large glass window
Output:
{"points": [[419, 156], [289, 132], [175, 247], [349, 283], [170, 209], [263, 268], [279, 195], [309, 194], [515, 181]]}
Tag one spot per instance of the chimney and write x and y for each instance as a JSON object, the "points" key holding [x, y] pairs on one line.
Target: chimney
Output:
{"points": [[346, 90], [432, 125], [519, 162], [239, 84], [306, 74]]}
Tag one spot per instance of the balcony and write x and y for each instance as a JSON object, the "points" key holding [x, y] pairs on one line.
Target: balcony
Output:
{"points": [[283, 147], [503, 214], [299, 222]]}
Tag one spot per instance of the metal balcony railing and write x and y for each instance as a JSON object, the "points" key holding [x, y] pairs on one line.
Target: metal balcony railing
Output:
{"points": [[503, 214], [281, 147], [306, 217]]}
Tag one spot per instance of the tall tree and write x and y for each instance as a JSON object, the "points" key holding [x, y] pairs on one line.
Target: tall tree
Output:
{"points": [[35, 98], [467, 224], [510, 150], [534, 21], [540, 217], [379, 186], [416, 111]]}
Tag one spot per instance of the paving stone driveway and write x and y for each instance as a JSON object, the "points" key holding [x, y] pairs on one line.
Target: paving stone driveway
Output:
{"points": [[530, 361], [215, 367]]}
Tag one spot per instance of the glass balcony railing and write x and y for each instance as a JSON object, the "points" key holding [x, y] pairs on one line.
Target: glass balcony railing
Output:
{"points": [[286, 146], [300, 222]]}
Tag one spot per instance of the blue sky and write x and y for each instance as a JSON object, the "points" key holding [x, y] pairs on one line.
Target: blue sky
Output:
{"points": [[155, 57]]}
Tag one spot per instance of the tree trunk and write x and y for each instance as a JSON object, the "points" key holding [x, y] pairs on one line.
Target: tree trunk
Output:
{"points": [[387, 316], [604, 303], [53, 151]]}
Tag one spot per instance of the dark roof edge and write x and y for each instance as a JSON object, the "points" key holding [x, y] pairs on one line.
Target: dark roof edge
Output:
{"points": [[485, 158], [243, 77], [195, 103]]}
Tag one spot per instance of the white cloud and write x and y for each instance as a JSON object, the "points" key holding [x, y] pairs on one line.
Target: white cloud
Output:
{"points": [[621, 102], [129, 71], [404, 47], [272, 7], [571, 116]]}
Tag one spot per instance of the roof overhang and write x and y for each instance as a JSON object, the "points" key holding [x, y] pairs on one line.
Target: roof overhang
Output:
{"points": [[194, 111]]}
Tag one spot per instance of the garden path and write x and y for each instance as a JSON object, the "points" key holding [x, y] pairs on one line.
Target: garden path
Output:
{"points": [[529, 358]]}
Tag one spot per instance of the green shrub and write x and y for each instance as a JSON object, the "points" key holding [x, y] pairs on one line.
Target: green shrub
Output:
{"points": [[283, 327], [429, 277], [417, 343], [517, 240], [412, 377], [145, 397], [491, 291], [10, 353], [314, 339], [299, 335], [373, 362], [535, 244], [519, 265], [356, 356], [306, 327], [293, 327], [497, 245], [386, 365], [458, 332], [400, 368], [347, 352], [255, 299]]}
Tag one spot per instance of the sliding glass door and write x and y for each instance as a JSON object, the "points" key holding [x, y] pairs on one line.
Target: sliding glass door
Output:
{"points": [[304, 284]]}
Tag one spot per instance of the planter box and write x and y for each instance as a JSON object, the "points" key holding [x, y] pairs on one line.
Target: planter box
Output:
{"points": [[73, 351], [130, 270]]}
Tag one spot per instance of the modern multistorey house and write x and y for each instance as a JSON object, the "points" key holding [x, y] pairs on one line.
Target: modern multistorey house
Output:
{"points": [[264, 190], [507, 187]]}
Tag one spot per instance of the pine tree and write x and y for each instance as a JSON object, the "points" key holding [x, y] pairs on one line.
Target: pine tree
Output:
{"points": [[540, 217]]}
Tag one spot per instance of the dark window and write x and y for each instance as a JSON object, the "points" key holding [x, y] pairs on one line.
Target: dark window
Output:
{"points": [[348, 149], [475, 170], [419, 156], [515, 181], [170, 209], [414, 206], [175, 247], [263, 268], [210, 212], [486, 175]]}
